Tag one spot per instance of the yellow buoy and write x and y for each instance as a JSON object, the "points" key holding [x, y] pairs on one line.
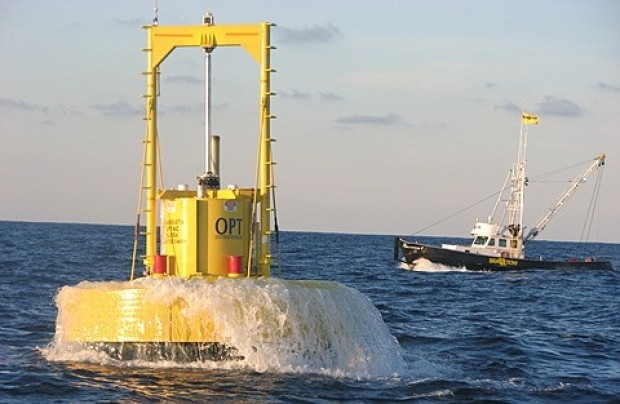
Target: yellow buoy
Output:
{"points": [[204, 234], [206, 293]]}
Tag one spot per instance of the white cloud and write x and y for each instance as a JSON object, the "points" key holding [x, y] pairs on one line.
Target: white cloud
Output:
{"points": [[559, 107], [314, 34], [362, 119]]}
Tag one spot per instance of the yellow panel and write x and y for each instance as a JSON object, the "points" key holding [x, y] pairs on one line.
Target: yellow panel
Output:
{"points": [[191, 256], [202, 231], [229, 232], [179, 238], [125, 315]]}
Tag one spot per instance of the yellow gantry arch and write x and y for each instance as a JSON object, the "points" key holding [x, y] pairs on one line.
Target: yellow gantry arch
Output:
{"points": [[161, 41]]}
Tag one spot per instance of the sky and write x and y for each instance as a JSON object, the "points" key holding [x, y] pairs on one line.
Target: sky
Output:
{"points": [[391, 116]]}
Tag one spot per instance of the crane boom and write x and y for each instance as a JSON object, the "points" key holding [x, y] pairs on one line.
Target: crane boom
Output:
{"points": [[580, 179]]}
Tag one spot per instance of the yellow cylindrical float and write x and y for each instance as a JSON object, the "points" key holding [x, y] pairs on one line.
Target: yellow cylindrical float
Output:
{"points": [[199, 235]]}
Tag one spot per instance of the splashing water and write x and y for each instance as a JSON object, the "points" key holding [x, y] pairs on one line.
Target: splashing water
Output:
{"points": [[424, 265], [276, 325]]}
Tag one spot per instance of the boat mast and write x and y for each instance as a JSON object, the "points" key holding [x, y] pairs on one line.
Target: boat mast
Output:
{"points": [[514, 206], [515, 203], [521, 177]]}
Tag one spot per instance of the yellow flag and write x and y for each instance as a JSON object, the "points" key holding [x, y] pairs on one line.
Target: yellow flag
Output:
{"points": [[529, 119]]}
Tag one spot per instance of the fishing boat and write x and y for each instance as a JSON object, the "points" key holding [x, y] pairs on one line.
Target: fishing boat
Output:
{"points": [[200, 287], [499, 245]]}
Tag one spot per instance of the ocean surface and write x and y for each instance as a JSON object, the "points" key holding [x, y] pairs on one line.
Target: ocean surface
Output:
{"points": [[446, 335]]}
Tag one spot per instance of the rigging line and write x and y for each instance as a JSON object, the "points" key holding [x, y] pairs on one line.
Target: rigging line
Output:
{"points": [[276, 227], [589, 215], [586, 221], [558, 170], [599, 186], [253, 222], [547, 181], [137, 228], [595, 208], [254, 213], [456, 213], [589, 220], [160, 166]]}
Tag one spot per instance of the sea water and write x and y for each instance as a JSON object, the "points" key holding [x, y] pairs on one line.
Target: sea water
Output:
{"points": [[530, 336]]}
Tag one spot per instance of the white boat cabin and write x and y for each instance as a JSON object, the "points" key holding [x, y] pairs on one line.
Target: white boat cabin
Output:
{"points": [[489, 240]]}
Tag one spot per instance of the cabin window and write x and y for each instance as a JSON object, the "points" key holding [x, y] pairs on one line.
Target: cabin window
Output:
{"points": [[491, 242], [480, 240], [502, 242], [513, 243]]}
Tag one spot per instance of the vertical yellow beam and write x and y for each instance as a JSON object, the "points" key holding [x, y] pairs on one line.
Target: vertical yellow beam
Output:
{"points": [[151, 155], [265, 153]]}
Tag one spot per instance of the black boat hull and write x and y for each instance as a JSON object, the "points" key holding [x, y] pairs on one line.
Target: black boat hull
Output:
{"points": [[477, 262]]}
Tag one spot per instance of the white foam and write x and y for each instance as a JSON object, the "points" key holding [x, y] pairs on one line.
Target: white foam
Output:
{"points": [[276, 325], [424, 265]]}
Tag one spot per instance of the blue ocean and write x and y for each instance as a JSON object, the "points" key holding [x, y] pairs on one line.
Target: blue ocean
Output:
{"points": [[452, 335]]}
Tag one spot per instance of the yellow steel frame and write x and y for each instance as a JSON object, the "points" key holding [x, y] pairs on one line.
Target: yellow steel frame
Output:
{"points": [[161, 41]]}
